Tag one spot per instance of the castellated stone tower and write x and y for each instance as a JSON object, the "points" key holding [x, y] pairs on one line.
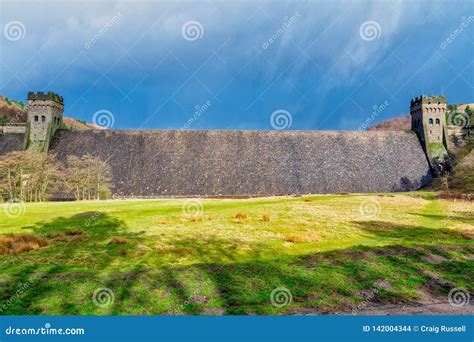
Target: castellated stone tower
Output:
{"points": [[428, 120], [45, 116]]}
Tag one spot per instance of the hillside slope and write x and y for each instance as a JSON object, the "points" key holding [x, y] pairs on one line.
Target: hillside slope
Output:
{"points": [[398, 123], [76, 124], [11, 111]]}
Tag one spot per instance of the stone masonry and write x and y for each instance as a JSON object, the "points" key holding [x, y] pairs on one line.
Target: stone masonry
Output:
{"points": [[247, 163], [45, 116]]}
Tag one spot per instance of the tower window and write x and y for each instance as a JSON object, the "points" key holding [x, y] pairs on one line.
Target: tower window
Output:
{"points": [[36, 118], [430, 121], [43, 118], [438, 122]]}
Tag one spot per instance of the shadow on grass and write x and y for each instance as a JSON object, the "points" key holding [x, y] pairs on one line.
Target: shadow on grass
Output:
{"points": [[463, 219], [57, 272], [410, 234], [64, 275], [335, 280]]}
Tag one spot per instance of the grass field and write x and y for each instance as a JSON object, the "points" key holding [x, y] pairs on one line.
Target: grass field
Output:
{"points": [[329, 253]]}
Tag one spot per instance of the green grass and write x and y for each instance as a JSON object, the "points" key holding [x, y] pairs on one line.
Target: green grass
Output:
{"points": [[214, 263]]}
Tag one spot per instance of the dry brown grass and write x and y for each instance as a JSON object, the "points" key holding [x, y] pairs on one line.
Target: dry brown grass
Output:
{"points": [[116, 240], [162, 247], [73, 232], [468, 234], [72, 235], [240, 216], [183, 251], [265, 218], [195, 218], [60, 237], [308, 200], [16, 244], [303, 237]]}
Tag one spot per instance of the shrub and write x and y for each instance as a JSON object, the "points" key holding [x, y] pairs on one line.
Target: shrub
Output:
{"points": [[265, 217]]}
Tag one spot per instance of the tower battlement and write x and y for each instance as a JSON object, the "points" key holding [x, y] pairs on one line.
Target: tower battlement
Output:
{"points": [[41, 96], [424, 99]]}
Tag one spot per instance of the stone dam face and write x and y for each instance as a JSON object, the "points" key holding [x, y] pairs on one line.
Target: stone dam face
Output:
{"points": [[241, 163], [11, 142]]}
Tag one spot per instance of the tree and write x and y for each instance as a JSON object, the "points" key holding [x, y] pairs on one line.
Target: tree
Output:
{"points": [[87, 177], [463, 178], [27, 176], [31, 177]]}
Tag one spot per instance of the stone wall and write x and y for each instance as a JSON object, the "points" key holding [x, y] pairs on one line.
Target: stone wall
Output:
{"points": [[12, 142], [211, 163], [13, 128]]}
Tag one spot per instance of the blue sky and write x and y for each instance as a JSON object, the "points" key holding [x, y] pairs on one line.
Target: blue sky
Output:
{"points": [[327, 64]]}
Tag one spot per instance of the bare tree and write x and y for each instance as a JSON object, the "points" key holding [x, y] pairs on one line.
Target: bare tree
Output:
{"points": [[87, 177], [27, 176]]}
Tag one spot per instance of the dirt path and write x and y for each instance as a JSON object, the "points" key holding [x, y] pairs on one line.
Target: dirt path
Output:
{"points": [[432, 309]]}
